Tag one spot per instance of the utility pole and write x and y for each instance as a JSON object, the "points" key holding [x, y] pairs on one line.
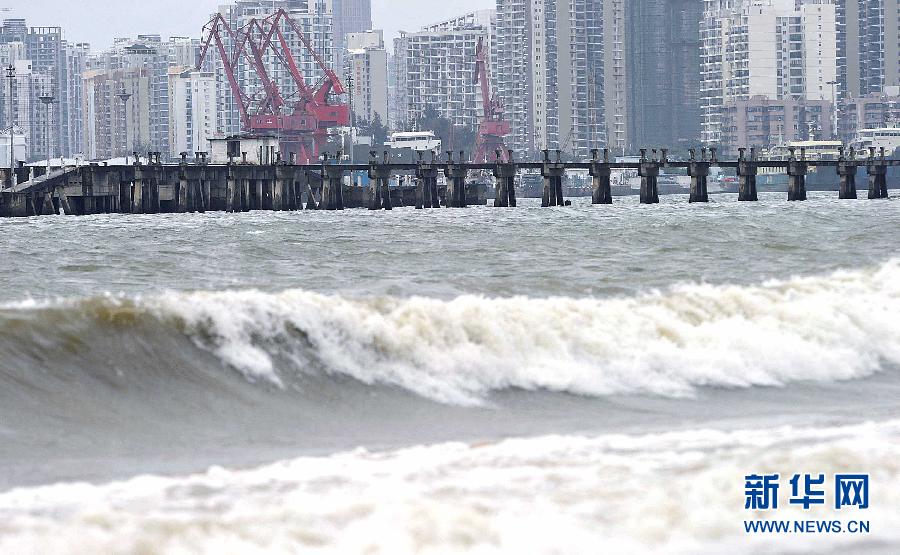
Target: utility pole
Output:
{"points": [[124, 96], [47, 100], [11, 75]]}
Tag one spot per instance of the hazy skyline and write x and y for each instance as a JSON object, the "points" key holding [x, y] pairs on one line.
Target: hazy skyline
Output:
{"points": [[94, 21]]}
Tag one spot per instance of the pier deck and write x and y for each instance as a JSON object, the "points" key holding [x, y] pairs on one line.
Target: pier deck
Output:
{"points": [[198, 186]]}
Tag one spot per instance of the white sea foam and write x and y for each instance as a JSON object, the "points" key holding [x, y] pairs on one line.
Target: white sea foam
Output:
{"points": [[838, 327], [678, 492]]}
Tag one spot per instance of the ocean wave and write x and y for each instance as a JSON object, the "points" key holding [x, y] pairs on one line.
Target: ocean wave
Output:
{"points": [[676, 492], [666, 343]]}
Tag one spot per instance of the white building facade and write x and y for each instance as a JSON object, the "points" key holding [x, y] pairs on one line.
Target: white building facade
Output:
{"points": [[434, 68], [779, 49], [550, 60], [192, 97], [367, 64]]}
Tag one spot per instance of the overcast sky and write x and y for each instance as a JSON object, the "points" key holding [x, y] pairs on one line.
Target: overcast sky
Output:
{"points": [[99, 21]]}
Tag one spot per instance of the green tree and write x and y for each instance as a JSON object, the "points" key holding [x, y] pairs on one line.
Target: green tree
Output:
{"points": [[453, 137], [374, 128]]}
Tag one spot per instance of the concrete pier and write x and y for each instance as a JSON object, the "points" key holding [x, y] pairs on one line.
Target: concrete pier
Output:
{"points": [[505, 175], [553, 173], [797, 170], [380, 184], [149, 187], [698, 170], [649, 173], [846, 170], [747, 170], [600, 172], [456, 184], [332, 187], [427, 173], [877, 171]]}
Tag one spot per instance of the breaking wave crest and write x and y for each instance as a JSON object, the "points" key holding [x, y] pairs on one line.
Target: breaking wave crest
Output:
{"points": [[667, 343]]}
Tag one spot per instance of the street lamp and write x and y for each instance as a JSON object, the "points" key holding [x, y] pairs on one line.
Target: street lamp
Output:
{"points": [[11, 75], [125, 96], [834, 109], [47, 100]]}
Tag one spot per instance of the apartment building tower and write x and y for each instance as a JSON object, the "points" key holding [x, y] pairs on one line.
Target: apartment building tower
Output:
{"points": [[367, 63], [434, 68], [778, 49], [550, 74], [349, 16], [868, 46]]}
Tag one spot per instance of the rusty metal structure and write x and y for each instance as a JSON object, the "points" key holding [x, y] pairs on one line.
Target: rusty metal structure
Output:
{"points": [[300, 119], [493, 127]]}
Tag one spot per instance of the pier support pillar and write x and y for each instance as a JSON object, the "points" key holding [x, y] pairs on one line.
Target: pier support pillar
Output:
{"points": [[245, 194], [278, 195], [311, 202], [877, 170], [230, 190], [846, 170], [64, 206], [456, 174], [332, 187], [181, 192], [379, 195], [137, 191], [283, 194], [48, 207], [747, 170], [553, 173], [601, 172], [797, 170], [258, 197], [505, 175], [649, 173], [427, 173], [699, 173], [205, 190]]}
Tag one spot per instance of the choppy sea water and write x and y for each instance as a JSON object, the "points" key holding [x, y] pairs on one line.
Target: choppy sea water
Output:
{"points": [[521, 380]]}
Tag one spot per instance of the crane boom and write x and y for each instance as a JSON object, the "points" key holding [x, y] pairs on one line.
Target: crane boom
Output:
{"points": [[493, 128], [304, 124]]}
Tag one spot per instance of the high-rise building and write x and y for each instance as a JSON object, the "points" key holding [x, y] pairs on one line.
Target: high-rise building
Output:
{"points": [[45, 47], [29, 114], [192, 109], [779, 49], [550, 74], [115, 127], [435, 68], [662, 53], [616, 103], [76, 59], [13, 30], [868, 46], [367, 63], [349, 16], [150, 54]]}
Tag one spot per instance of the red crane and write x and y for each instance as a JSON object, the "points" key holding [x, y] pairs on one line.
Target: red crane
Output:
{"points": [[301, 118], [493, 127]]}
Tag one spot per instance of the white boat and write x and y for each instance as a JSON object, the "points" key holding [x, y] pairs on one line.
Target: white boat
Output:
{"points": [[878, 138], [418, 140]]}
